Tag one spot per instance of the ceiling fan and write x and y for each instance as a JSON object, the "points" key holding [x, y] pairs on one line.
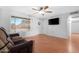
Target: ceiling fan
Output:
{"points": [[41, 10]]}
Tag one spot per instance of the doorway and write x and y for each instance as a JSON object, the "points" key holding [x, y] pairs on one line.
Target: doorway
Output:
{"points": [[74, 34]]}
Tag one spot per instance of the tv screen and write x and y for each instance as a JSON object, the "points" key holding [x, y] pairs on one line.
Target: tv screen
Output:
{"points": [[54, 21]]}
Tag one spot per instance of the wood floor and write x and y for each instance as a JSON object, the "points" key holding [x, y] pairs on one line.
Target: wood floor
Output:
{"points": [[75, 42], [48, 44]]}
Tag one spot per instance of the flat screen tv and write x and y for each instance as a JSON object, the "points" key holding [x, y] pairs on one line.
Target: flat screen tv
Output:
{"points": [[54, 21]]}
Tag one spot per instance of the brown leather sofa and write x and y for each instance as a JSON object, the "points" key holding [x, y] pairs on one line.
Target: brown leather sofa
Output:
{"points": [[7, 45]]}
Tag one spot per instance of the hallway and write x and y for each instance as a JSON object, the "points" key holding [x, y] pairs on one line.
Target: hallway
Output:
{"points": [[75, 42]]}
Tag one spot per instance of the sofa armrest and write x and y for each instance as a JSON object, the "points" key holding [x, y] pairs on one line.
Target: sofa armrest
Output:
{"points": [[25, 47], [14, 34], [15, 37]]}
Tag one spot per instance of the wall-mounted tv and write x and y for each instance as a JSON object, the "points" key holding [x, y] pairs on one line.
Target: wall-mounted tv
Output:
{"points": [[54, 21]]}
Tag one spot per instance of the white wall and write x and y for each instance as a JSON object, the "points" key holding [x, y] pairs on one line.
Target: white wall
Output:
{"points": [[6, 13], [53, 30], [4, 17], [35, 28], [56, 30], [75, 25]]}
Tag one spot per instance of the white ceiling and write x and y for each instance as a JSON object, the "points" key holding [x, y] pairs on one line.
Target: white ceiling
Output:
{"points": [[56, 10]]}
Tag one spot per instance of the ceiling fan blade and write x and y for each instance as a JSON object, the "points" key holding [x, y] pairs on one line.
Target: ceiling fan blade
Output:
{"points": [[34, 13], [46, 7], [48, 11], [34, 9]]}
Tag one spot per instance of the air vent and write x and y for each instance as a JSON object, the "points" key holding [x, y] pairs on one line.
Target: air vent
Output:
{"points": [[74, 12]]}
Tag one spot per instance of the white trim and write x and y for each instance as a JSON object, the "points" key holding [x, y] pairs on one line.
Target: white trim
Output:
{"points": [[69, 42]]}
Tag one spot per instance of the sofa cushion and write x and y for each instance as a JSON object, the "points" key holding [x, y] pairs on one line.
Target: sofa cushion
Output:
{"points": [[17, 38]]}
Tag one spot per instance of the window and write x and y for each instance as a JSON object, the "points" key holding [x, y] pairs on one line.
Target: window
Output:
{"points": [[19, 24]]}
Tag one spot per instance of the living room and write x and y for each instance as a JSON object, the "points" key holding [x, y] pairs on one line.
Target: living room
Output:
{"points": [[31, 24]]}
